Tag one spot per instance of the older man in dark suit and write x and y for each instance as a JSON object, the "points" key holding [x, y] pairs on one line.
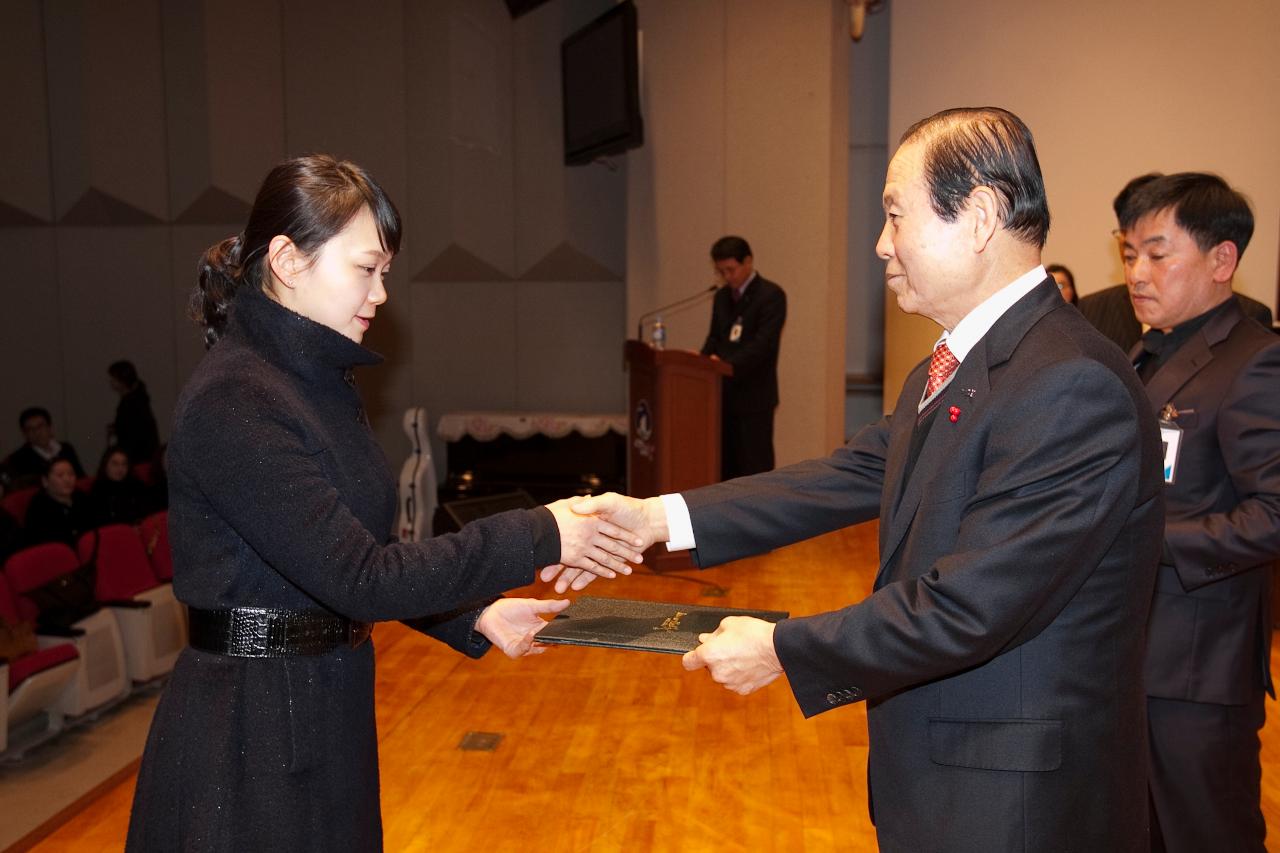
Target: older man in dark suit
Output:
{"points": [[1213, 375], [1018, 489]]}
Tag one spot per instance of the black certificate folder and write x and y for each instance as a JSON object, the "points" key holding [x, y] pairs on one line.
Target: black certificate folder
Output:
{"points": [[644, 626]]}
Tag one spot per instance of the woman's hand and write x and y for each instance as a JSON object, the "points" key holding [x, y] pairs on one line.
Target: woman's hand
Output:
{"points": [[643, 522], [589, 543], [511, 623]]}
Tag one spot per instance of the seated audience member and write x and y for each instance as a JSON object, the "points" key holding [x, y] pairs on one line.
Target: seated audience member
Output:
{"points": [[1066, 282], [134, 429], [117, 497], [1111, 311], [27, 464], [58, 513]]}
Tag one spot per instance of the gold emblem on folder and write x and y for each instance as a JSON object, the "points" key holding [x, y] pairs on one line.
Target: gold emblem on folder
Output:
{"points": [[672, 623]]}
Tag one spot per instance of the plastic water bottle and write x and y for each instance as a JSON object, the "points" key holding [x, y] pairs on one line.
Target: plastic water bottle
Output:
{"points": [[659, 334]]}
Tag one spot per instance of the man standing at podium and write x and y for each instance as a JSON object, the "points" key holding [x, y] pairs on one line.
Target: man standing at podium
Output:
{"points": [[746, 331]]}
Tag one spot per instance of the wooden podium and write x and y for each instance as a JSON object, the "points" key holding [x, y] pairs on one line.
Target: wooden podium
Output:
{"points": [[674, 438]]}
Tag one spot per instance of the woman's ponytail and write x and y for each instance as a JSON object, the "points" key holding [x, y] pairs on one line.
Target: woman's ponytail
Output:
{"points": [[219, 275]]}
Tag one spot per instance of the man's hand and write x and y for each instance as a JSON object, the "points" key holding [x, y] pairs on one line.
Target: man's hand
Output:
{"points": [[511, 623], [644, 520], [590, 546], [739, 654]]}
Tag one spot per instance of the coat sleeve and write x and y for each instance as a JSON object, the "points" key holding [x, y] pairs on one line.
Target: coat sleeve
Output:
{"points": [[712, 344], [1216, 545], [1052, 495], [253, 465], [752, 515], [456, 628]]}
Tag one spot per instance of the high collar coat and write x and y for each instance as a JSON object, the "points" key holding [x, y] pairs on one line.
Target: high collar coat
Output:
{"points": [[280, 498]]}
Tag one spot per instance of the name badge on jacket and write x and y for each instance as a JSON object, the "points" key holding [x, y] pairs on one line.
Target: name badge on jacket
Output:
{"points": [[735, 334], [1171, 440]]}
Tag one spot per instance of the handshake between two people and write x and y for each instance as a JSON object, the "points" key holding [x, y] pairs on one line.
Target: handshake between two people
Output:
{"points": [[600, 536]]}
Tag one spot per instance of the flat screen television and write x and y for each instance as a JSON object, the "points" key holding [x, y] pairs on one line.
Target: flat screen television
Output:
{"points": [[600, 80]]}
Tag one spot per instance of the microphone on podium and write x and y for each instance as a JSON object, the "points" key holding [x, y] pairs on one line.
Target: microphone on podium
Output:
{"points": [[680, 303]]}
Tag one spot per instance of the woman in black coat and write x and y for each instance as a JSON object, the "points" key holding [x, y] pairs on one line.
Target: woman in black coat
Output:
{"points": [[134, 428], [280, 517], [117, 497]]}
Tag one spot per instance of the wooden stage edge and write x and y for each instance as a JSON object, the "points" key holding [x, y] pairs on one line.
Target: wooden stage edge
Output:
{"points": [[604, 750]]}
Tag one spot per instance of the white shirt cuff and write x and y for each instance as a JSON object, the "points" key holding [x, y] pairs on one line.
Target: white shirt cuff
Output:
{"points": [[679, 525]]}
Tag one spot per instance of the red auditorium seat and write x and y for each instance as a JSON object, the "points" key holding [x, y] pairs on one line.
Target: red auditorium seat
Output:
{"points": [[102, 677], [150, 618], [29, 701], [16, 503], [155, 538]]}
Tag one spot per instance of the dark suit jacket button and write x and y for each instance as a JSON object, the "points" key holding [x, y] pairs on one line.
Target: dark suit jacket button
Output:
{"points": [[833, 699], [855, 693]]}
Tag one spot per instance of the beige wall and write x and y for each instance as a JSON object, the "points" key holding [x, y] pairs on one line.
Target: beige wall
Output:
{"points": [[747, 132], [1110, 90]]}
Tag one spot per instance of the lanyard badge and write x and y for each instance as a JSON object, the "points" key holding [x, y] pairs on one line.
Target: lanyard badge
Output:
{"points": [[1171, 440]]}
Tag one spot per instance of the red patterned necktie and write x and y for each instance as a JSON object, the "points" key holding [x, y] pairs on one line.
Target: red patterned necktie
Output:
{"points": [[941, 366]]}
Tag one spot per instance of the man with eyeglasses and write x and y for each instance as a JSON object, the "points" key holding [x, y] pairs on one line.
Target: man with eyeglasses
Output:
{"points": [[1111, 312], [1211, 375]]}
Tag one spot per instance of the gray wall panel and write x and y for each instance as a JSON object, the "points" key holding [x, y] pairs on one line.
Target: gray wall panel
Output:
{"points": [[187, 244], [30, 337], [570, 348], [538, 137], [106, 78], [426, 207], [70, 169], [344, 83], [224, 99], [25, 141], [115, 302], [245, 77], [480, 133]]}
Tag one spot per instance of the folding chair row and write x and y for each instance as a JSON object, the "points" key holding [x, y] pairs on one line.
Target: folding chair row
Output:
{"points": [[131, 630]]}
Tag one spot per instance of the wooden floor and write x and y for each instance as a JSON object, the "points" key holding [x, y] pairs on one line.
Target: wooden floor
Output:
{"points": [[610, 751]]}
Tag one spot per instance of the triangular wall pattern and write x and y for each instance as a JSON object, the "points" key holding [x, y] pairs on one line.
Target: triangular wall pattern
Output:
{"points": [[98, 208], [215, 207], [565, 263], [16, 217], [457, 264]]}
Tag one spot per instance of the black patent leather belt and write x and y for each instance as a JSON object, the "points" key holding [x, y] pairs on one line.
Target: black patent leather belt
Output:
{"points": [[253, 632]]}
